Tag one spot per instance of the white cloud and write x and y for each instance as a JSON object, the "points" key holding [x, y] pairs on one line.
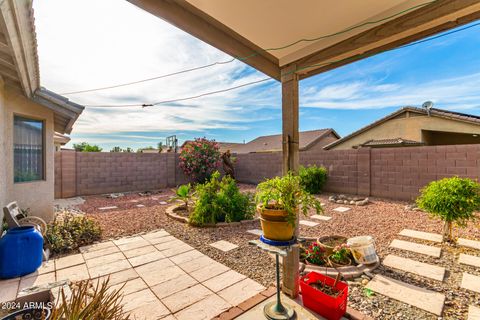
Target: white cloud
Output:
{"points": [[455, 93]]}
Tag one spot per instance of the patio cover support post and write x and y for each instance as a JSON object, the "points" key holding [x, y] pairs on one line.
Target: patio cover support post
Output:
{"points": [[290, 145]]}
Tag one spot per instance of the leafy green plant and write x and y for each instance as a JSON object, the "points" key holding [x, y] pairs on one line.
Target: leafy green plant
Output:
{"points": [[315, 254], [313, 178], [199, 158], [68, 232], [340, 253], [88, 301], [184, 194], [286, 193], [221, 200], [453, 200], [86, 147]]}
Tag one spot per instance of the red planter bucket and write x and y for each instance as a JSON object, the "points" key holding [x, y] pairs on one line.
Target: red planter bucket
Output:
{"points": [[323, 304]]}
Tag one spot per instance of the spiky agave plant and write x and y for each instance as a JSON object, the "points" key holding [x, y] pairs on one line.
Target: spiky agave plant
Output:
{"points": [[91, 302]]}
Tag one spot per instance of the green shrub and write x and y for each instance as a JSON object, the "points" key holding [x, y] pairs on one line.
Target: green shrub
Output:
{"points": [[221, 201], [286, 193], [313, 178], [69, 232], [184, 194], [453, 200]]}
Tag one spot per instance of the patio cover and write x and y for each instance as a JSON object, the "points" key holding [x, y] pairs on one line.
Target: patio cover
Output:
{"points": [[248, 29]]}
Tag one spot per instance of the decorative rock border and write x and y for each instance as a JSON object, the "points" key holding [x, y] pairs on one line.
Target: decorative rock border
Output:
{"points": [[170, 211], [343, 199], [348, 272]]}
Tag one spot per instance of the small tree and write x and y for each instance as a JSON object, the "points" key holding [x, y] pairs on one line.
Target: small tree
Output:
{"points": [[184, 194], [199, 158], [86, 147], [453, 200], [116, 149]]}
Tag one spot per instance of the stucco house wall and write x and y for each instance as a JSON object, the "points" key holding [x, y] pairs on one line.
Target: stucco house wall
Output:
{"points": [[36, 195], [409, 127]]}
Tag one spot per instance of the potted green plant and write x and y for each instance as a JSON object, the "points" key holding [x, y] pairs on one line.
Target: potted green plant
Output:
{"points": [[340, 256], [453, 200], [279, 201]]}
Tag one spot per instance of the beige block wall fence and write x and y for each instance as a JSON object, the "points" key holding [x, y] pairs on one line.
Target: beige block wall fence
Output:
{"points": [[396, 173]]}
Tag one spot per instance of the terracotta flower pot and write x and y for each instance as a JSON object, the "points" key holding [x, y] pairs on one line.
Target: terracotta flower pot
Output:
{"points": [[325, 242], [335, 264], [274, 224]]}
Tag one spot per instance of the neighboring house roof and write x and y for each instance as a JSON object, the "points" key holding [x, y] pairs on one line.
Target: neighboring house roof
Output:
{"points": [[433, 112], [274, 142], [232, 146], [390, 142], [60, 139], [19, 62]]}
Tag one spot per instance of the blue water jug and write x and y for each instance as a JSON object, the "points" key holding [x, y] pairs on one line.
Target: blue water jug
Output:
{"points": [[21, 252]]}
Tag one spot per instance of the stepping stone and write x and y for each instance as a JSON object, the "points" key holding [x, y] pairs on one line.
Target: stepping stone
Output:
{"points": [[342, 209], [469, 243], [416, 247], [415, 267], [320, 217], [469, 260], [140, 205], [163, 202], [224, 245], [416, 296], [134, 201], [434, 237], [256, 232], [471, 282], [308, 223], [108, 208], [473, 313]]}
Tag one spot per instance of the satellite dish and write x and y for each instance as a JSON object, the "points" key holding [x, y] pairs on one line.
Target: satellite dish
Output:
{"points": [[427, 105]]}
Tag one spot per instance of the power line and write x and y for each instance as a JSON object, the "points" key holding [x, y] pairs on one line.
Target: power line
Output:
{"points": [[186, 98], [266, 79], [244, 58]]}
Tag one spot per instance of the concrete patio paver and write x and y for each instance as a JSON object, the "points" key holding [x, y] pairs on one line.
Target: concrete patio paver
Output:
{"points": [[176, 250], [9, 289], [223, 245], [139, 251], [108, 208], [130, 286], [196, 264], [101, 252], [209, 271], [471, 282], [419, 297], [241, 291], [186, 297], [75, 273], [69, 261], [416, 247], [144, 305], [169, 244], [174, 285], [256, 232], [469, 260], [321, 217], [473, 244], [156, 235], [223, 280], [473, 313], [415, 267], [134, 244], [434, 237], [30, 281], [308, 223], [162, 274], [109, 258], [186, 257], [120, 277], [342, 209], [106, 269], [96, 247], [146, 258], [205, 309]]}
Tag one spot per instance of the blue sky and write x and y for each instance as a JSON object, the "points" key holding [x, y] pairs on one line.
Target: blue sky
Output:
{"points": [[121, 43]]}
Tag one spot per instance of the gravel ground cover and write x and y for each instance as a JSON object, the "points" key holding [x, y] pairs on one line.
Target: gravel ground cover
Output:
{"points": [[383, 219]]}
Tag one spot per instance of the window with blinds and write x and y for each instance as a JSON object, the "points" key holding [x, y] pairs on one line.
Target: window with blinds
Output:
{"points": [[28, 146]]}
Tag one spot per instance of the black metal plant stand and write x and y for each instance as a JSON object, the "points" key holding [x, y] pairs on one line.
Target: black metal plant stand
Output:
{"points": [[276, 310]]}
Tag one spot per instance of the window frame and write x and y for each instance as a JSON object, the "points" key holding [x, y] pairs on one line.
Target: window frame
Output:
{"points": [[44, 148]]}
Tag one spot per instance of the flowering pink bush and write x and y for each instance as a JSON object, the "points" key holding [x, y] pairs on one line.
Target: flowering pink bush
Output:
{"points": [[199, 158]]}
